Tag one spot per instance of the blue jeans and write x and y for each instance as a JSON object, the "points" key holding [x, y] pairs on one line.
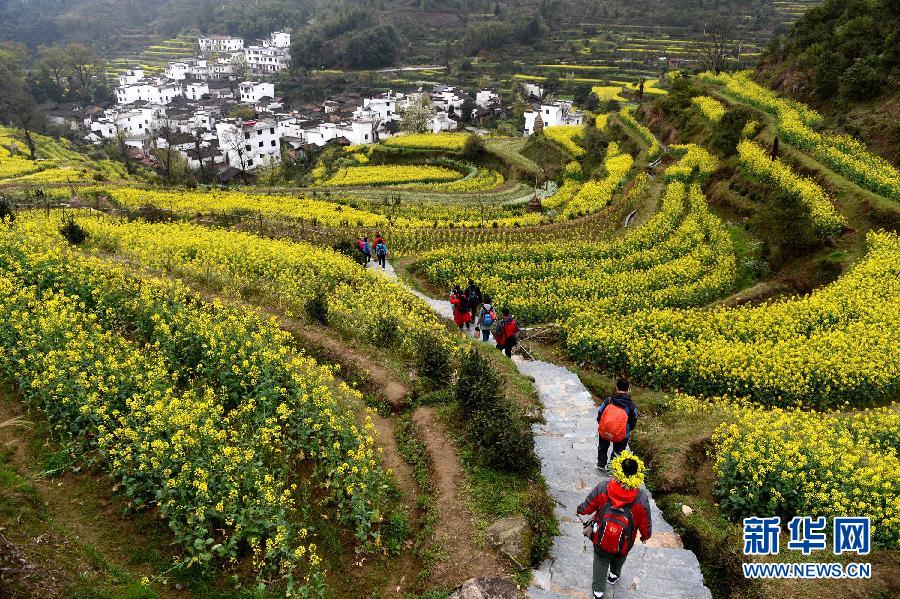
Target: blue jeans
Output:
{"points": [[485, 334], [603, 449]]}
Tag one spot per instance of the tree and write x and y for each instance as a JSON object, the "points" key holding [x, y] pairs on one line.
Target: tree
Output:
{"points": [[205, 171], [465, 111], [717, 43], [233, 141], [785, 225], [122, 149], [416, 118], [17, 105], [55, 60], [730, 129], [83, 63], [162, 139]]}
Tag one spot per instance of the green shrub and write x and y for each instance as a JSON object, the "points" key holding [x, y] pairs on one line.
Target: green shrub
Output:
{"points": [[317, 308], [498, 428], [432, 360], [72, 231]]}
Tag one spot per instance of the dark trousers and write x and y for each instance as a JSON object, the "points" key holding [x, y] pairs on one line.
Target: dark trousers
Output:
{"points": [[603, 449], [486, 334], [604, 563], [507, 347], [382, 260], [368, 257]]}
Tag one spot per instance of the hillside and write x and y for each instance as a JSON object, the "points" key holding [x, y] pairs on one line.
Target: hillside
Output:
{"points": [[843, 58], [426, 27]]}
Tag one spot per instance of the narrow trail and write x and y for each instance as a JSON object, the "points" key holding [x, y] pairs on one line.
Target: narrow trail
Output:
{"points": [[455, 532], [567, 446]]}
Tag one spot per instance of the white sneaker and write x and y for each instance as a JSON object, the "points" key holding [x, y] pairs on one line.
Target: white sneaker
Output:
{"points": [[598, 595], [612, 578]]}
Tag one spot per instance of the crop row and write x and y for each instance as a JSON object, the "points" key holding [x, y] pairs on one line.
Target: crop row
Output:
{"points": [[654, 150], [838, 344], [798, 463], [756, 164], [200, 410], [682, 256], [796, 124]]}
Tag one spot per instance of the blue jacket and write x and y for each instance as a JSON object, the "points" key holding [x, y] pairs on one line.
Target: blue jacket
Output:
{"points": [[624, 401]]}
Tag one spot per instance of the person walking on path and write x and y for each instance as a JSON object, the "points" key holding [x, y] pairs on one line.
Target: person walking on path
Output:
{"points": [[621, 509], [367, 250], [473, 292], [616, 418], [461, 314], [485, 320], [381, 252], [506, 333]]}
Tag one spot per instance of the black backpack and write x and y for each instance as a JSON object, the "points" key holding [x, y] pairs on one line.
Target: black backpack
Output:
{"points": [[463, 303]]}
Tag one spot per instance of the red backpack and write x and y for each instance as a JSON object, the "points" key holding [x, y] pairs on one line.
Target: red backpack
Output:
{"points": [[614, 529], [613, 425]]}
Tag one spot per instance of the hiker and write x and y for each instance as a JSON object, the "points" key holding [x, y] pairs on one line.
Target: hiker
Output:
{"points": [[486, 319], [461, 314], [621, 509], [616, 419], [506, 333], [359, 245], [381, 252], [473, 292], [367, 250], [378, 239]]}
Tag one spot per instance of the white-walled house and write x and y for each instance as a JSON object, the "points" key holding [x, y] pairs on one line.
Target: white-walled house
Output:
{"points": [[252, 91], [280, 39], [194, 90], [552, 115], [267, 59], [220, 43], [133, 121], [249, 145], [152, 91], [176, 70], [442, 122], [486, 97], [131, 76]]}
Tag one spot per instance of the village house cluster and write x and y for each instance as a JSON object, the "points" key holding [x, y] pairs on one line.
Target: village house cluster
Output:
{"points": [[231, 126]]}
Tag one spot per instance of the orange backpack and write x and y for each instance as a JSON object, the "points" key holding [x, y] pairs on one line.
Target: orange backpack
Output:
{"points": [[613, 424]]}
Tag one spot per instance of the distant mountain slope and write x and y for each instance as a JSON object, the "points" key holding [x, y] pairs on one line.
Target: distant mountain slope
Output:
{"points": [[112, 23], [843, 57]]}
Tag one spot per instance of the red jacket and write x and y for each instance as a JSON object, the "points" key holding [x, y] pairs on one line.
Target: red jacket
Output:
{"points": [[619, 495], [508, 329], [459, 317]]}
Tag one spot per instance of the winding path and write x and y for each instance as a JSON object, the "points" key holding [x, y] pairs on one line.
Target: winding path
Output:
{"points": [[567, 446]]}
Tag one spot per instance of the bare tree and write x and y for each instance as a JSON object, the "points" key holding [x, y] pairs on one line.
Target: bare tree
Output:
{"points": [[233, 141], [720, 38], [199, 148], [162, 139], [56, 60], [121, 136]]}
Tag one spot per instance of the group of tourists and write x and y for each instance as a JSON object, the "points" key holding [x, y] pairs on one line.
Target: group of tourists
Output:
{"points": [[378, 247], [470, 306], [620, 508]]}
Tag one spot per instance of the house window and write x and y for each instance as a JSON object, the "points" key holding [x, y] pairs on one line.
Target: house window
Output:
{"points": [[247, 135], [272, 130], [250, 162], [273, 142], [259, 132], [248, 147], [260, 144], [367, 136]]}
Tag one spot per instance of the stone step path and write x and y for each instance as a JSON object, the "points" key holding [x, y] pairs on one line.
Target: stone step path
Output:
{"points": [[567, 446]]}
